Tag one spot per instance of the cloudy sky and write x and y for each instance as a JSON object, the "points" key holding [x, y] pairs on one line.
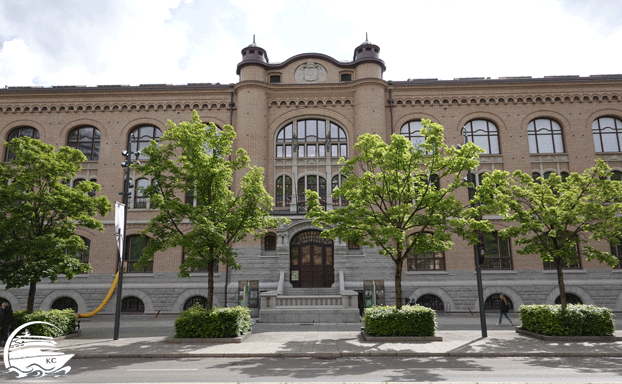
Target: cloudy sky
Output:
{"points": [[85, 42]]}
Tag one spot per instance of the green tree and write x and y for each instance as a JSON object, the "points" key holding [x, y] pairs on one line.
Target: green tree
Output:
{"points": [[195, 160], [401, 197], [555, 217], [39, 214]]}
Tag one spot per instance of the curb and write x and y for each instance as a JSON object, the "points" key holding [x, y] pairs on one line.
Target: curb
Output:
{"points": [[577, 339]]}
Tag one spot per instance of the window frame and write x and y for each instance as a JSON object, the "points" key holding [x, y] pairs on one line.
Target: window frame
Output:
{"points": [[16, 133], [437, 261], [597, 133], [538, 135], [129, 261], [491, 135], [94, 143], [143, 141], [497, 261]]}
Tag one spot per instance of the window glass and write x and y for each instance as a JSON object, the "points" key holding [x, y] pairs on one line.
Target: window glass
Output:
{"points": [[87, 140], [483, 133], [20, 132], [545, 136], [141, 136], [607, 134], [412, 131]]}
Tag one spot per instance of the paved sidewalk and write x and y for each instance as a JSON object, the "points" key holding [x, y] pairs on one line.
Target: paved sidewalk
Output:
{"points": [[144, 336]]}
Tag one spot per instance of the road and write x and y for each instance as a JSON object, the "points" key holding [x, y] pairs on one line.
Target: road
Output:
{"points": [[261, 370]]}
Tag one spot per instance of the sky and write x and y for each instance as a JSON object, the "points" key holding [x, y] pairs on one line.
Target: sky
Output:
{"points": [[132, 42]]}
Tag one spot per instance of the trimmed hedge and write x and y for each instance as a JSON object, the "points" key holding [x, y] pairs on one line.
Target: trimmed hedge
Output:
{"points": [[411, 320], [578, 320], [198, 322], [64, 319]]}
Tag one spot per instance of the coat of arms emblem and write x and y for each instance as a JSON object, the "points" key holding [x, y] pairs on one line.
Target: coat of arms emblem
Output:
{"points": [[310, 72]]}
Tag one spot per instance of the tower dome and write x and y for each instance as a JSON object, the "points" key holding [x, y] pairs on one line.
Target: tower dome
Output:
{"points": [[254, 53], [366, 50]]}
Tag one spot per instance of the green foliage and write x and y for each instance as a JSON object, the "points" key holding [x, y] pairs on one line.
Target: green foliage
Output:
{"points": [[415, 320], [402, 198], [196, 159], [553, 217], [199, 322], [65, 320], [576, 320], [39, 214]]}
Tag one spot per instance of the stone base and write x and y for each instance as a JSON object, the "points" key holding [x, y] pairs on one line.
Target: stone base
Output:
{"points": [[602, 339], [399, 339], [310, 315], [209, 340]]}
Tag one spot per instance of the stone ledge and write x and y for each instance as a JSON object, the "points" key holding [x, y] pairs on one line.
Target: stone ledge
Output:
{"points": [[601, 339], [209, 340], [399, 339]]}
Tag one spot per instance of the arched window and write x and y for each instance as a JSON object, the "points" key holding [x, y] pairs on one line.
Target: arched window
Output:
{"points": [[65, 303], [140, 200], [616, 176], [20, 132], [283, 192], [141, 136], [336, 181], [134, 248], [431, 301], [314, 183], [87, 140], [571, 298], [132, 304], [607, 133], [202, 301], [545, 136], [493, 303], [412, 131], [314, 137], [483, 133]]}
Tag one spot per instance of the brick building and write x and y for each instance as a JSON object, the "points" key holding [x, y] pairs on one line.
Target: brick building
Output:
{"points": [[295, 119]]}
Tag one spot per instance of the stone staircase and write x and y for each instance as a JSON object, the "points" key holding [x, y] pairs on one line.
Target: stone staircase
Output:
{"points": [[309, 305]]}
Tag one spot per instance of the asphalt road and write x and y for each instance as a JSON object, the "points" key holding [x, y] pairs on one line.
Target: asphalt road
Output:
{"points": [[380, 370]]}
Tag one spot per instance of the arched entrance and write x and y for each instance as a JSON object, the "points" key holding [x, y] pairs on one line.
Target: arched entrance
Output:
{"points": [[311, 260]]}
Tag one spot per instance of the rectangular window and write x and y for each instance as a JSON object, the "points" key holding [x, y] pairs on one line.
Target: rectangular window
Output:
{"points": [[346, 77], [617, 251], [426, 261], [275, 78], [497, 252]]}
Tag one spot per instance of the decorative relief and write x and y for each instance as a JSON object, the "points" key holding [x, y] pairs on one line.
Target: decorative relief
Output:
{"points": [[310, 72], [549, 158]]}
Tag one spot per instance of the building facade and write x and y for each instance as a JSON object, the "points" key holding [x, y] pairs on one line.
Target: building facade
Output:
{"points": [[295, 119]]}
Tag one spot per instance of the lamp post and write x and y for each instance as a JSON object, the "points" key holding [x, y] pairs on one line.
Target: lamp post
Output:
{"points": [[478, 252], [127, 185]]}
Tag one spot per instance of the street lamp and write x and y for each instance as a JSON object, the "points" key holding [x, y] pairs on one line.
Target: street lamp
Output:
{"points": [[127, 185], [478, 251]]}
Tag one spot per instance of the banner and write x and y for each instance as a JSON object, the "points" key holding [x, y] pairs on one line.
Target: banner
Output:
{"points": [[119, 219]]}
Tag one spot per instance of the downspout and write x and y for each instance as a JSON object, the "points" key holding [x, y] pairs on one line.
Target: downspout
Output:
{"points": [[231, 105], [390, 101]]}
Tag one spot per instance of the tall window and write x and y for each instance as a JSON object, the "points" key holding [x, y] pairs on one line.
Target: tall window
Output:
{"points": [[617, 252], [313, 138], [336, 181], [607, 133], [135, 246], [83, 255], [426, 261], [269, 242], [140, 200], [412, 131], [283, 193], [483, 133], [497, 252], [545, 136], [142, 136], [20, 132], [314, 183], [87, 140]]}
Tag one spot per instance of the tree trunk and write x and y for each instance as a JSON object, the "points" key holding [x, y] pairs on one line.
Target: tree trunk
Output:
{"points": [[560, 282], [30, 305], [210, 285], [398, 284]]}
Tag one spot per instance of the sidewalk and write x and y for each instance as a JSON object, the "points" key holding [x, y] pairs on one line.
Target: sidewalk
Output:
{"points": [[144, 336]]}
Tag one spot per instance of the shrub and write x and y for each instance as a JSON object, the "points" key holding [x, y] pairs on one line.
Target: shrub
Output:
{"points": [[198, 322], [64, 319], [577, 320], [414, 320]]}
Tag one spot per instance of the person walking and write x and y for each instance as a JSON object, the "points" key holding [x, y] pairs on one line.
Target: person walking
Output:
{"points": [[6, 320], [504, 309]]}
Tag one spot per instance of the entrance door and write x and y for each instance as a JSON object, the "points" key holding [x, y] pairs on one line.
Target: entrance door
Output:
{"points": [[311, 260]]}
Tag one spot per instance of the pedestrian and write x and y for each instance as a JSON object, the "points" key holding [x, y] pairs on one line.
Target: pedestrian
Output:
{"points": [[6, 320], [504, 309]]}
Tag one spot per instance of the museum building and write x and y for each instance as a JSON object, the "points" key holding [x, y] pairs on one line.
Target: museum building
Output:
{"points": [[295, 119]]}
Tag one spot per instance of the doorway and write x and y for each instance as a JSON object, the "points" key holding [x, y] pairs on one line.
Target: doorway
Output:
{"points": [[311, 260]]}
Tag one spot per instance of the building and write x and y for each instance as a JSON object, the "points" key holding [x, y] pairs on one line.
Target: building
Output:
{"points": [[295, 119]]}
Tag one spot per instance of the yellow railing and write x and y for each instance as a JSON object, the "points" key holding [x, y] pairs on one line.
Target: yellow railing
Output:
{"points": [[106, 299]]}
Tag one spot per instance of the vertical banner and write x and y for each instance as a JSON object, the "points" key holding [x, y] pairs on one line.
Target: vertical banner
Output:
{"points": [[119, 216]]}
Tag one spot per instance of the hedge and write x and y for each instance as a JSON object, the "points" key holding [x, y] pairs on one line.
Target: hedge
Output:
{"points": [[410, 320], [578, 320], [64, 319], [198, 322]]}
